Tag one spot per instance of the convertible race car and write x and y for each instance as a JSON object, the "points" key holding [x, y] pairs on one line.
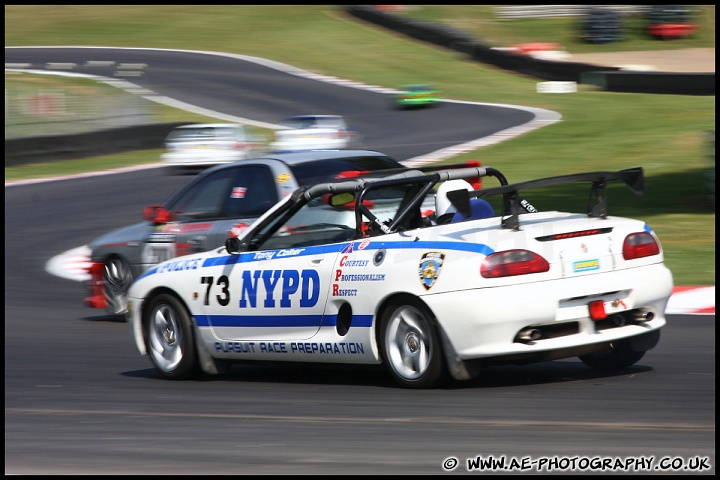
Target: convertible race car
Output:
{"points": [[352, 272]]}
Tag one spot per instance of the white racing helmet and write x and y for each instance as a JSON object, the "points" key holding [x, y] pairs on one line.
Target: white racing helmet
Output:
{"points": [[444, 210]]}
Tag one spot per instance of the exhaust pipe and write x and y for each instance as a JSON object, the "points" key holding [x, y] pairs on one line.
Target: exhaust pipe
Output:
{"points": [[644, 316], [529, 335]]}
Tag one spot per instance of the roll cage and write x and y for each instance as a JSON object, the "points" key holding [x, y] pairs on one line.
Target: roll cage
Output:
{"points": [[417, 185]]}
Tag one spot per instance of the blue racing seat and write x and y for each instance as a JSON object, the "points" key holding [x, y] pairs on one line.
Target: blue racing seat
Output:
{"points": [[479, 208]]}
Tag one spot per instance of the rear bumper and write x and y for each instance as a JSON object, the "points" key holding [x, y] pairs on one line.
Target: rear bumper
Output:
{"points": [[488, 322]]}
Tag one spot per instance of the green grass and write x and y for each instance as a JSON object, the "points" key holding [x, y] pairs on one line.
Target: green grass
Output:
{"points": [[664, 134]]}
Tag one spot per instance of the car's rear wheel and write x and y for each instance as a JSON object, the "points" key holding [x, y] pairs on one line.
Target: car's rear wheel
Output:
{"points": [[619, 356], [117, 278], [409, 345], [170, 338]]}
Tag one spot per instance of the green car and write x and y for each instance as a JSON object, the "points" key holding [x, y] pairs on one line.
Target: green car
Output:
{"points": [[417, 96]]}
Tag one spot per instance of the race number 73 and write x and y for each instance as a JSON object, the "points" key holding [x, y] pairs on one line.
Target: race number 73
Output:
{"points": [[224, 283]]}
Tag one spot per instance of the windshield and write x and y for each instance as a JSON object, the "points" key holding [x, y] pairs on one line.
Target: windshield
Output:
{"points": [[193, 134], [317, 222], [320, 171], [239, 192], [336, 123]]}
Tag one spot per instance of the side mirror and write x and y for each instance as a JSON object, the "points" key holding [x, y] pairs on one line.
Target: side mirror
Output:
{"points": [[232, 245]]}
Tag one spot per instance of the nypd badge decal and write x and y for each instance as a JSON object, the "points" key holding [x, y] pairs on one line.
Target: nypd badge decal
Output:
{"points": [[430, 266]]}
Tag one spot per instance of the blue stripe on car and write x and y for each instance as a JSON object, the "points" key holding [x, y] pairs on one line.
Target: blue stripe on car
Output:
{"points": [[335, 248], [278, 320], [248, 257]]}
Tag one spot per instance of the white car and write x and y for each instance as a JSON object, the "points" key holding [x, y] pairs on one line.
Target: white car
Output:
{"points": [[206, 144], [353, 272], [315, 132]]}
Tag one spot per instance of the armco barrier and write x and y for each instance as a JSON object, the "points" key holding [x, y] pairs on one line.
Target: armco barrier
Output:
{"points": [[607, 78], [22, 151], [534, 67], [652, 82]]}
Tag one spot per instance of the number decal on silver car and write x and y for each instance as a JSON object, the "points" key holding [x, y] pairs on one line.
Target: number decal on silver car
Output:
{"points": [[158, 252]]}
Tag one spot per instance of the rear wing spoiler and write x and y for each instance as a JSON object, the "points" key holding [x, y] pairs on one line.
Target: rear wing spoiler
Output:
{"points": [[514, 204]]}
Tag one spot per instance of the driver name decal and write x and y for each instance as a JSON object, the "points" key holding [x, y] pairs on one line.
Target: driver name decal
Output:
{"points": [[269, 255]]}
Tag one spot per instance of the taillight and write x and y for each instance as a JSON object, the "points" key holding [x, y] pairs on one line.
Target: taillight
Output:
{"points": [[513, 262], [639, 245], [162, 216], [351, 174]]}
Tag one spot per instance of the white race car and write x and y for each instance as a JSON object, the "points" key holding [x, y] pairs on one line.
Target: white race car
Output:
{"points": [[198, 146], [315, 132], [352, 272]]}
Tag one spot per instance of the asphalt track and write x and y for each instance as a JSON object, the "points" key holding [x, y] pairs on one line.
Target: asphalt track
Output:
{"points": [[80, 400]]}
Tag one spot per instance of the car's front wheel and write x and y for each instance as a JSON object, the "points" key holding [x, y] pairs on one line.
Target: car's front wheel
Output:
{"points": [[170, 338], [117, 278], [410, 346], [619, 356]]}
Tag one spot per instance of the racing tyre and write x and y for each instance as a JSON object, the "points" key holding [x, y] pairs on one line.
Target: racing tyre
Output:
{"points": [[117, 278], [618, 357], [409, 345], [170, 339]]}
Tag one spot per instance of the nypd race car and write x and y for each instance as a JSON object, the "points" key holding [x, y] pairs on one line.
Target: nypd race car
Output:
{"points": [[353, 272]]}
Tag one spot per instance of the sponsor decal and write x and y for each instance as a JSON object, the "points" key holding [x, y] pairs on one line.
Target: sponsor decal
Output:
{"points": [[363, 245], [161, 237], [195, 227], [171, 228], [344, 292], [328, 348], [283, 177], [619, 303], [430, 266], [345, 262], [238, 192], [586, 265]]}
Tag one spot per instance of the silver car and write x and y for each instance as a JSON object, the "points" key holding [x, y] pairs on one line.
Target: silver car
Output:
{"points": [[315, 132], [199, 215], [203, 145]]}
